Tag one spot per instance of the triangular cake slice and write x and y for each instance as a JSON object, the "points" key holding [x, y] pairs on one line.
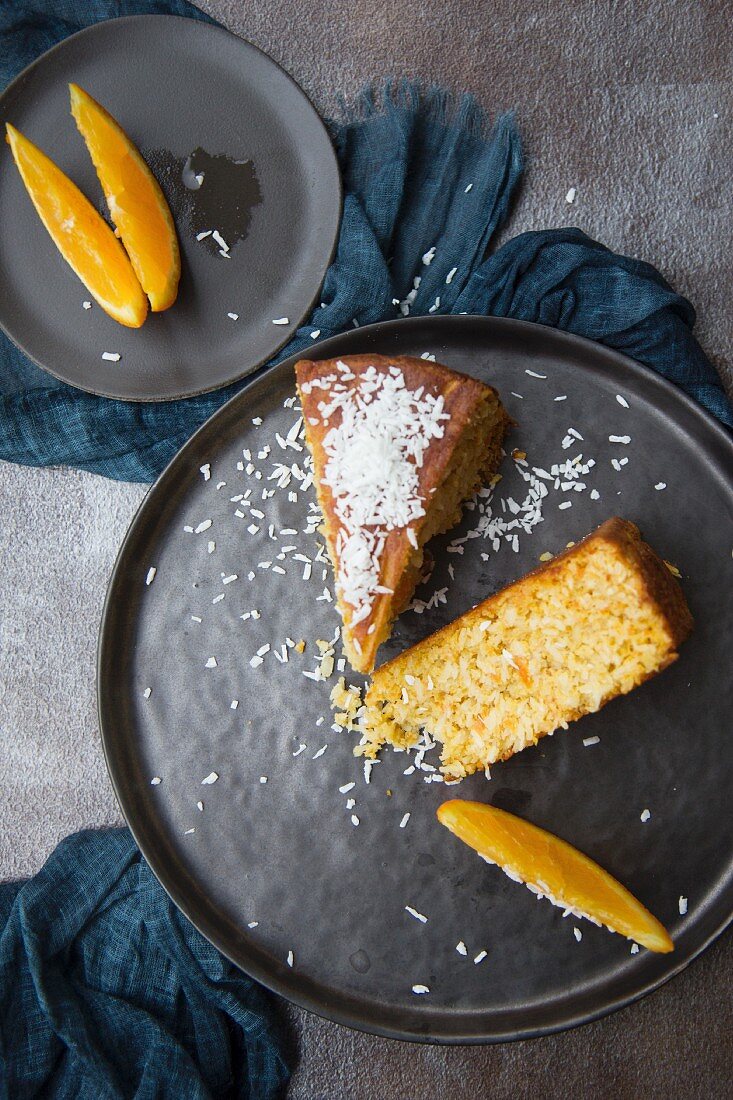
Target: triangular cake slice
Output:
{"points": [[397, 444], [591, 624]]}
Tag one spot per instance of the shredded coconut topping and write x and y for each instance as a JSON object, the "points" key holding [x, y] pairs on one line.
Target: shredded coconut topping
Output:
{"points": [[373, 455]]}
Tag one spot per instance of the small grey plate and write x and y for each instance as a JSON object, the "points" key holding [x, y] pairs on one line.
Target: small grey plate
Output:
{"points": [[271, 184], [285, 853]]}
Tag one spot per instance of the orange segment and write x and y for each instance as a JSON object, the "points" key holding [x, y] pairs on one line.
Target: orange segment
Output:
{"points": [[554, 868], [80, 233], [136, 203]]}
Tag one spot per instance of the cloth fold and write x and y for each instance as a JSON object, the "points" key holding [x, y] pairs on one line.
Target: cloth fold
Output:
{"points": [[107, 992]]}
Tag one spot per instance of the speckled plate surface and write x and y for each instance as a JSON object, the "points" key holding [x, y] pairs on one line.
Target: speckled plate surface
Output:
{"points": [[270, 186], [284, 853]]}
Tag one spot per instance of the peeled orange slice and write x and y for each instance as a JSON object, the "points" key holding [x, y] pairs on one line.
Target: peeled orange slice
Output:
{"points": [[553, 868], [80, 233], [136, 203]]}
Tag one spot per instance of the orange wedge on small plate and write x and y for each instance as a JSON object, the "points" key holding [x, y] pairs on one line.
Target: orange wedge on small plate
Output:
{"points": [[551, 867], [80, 233], [136, 203]]}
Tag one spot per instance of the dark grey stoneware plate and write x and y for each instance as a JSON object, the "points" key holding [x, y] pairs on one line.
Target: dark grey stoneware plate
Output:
{"points": [[284, 853], [176, 86]]}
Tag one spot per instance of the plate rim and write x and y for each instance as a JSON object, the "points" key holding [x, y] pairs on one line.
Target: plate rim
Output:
{"points": [[287, 331], [283, 983]]}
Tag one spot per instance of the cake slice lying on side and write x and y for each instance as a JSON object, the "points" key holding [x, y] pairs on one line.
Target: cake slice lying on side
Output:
{"points": [[593, 623], [398, 444]]}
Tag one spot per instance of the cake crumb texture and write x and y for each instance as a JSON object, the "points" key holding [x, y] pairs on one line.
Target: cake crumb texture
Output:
{"points": [[591, 624]]}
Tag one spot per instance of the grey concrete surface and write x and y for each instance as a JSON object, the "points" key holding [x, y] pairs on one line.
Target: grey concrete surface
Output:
{"points": [[630, 103]]}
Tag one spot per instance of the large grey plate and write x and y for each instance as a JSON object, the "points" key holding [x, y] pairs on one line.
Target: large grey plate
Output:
{"points": [[285, 853], [175, 85]]}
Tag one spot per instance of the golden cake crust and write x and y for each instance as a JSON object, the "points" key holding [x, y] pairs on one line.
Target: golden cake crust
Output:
{"points": [[463, 396], [661, 588], [559, 643]]}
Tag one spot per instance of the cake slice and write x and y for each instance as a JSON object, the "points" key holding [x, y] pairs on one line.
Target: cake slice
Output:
{"points": [[398, 444], [591, 624]]}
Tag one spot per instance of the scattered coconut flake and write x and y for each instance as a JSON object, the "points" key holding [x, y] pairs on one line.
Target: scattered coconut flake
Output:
{"points": [[619, 439], [533, 373], [423, 988], [315, 334], [210, 778], [562, 397], [233, 316], [429, 256], [449, 277], [578, 934], [570, 197], [263, 779], [290, 959], [252, 923], [480, 957], [404, 820], [86, 305], [622, 401], [211, 662], [203, 526], [151, 575], [111, 356], [189, 831], [205, 470], [256, 420], [645, 815], [354, 820], [301, 748], [216, 236], [414, 913], [203, 234], [346, 788], [147, 693], [200, 806], [155, 781], [461, 948], [234, 704], [634, 949], [682, 904], [565, 504], [281, 320], [660, 485], [317, 755], [468, 189], [588, 741]]}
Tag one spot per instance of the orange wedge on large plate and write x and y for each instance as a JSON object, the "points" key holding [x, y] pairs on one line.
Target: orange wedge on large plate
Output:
{"points": [[80, 233], [553, 868], [136, 203]]}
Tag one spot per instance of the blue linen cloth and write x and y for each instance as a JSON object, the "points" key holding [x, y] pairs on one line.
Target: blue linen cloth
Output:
{"points": [[107, 992], [419, 170]]}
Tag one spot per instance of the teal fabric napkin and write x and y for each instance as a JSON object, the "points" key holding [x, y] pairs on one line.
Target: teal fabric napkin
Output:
{"points": [[107, 992]]}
